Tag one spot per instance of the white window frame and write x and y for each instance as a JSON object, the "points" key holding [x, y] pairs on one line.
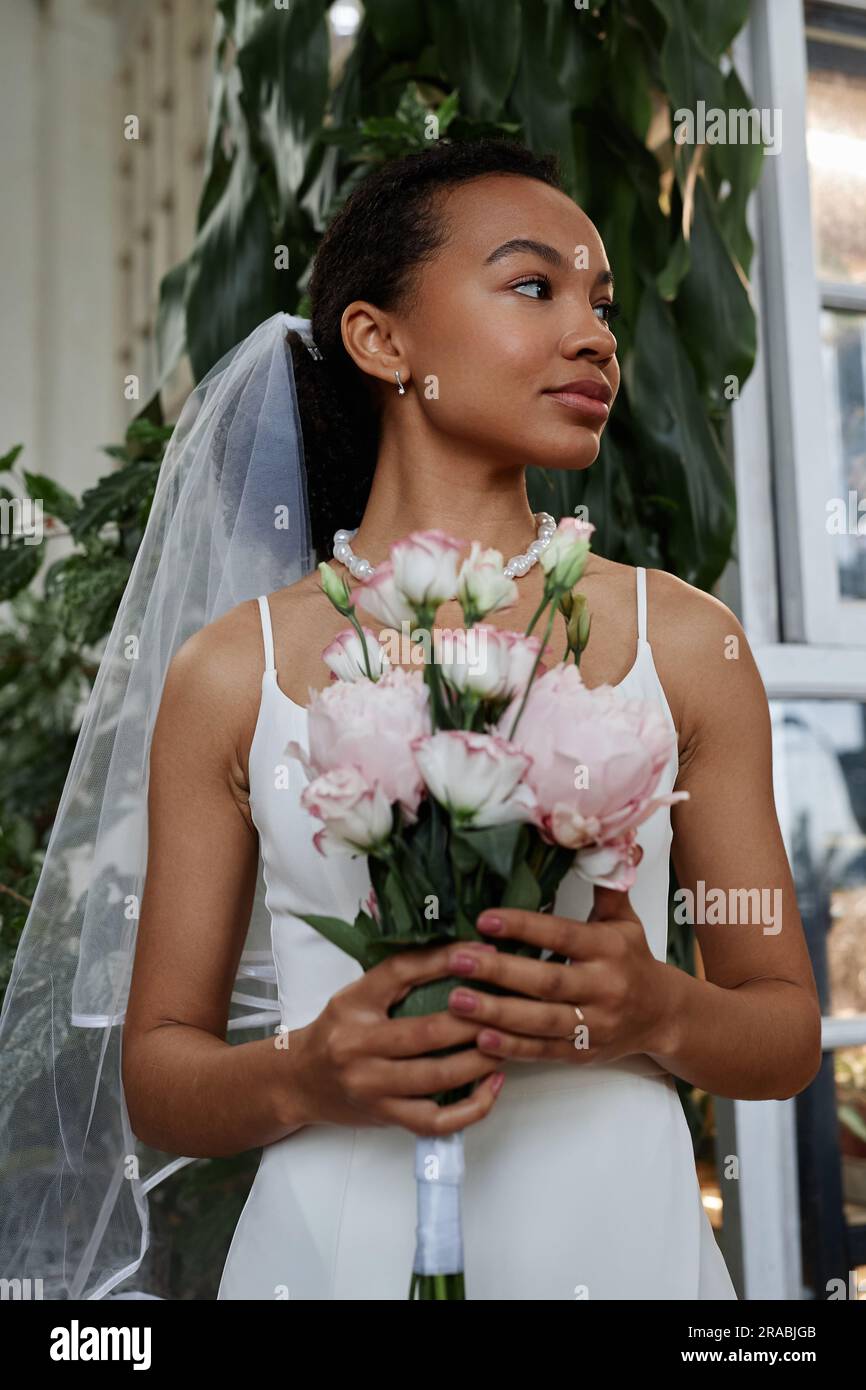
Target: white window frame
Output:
{"points": [[783, 414], [808, 641]]}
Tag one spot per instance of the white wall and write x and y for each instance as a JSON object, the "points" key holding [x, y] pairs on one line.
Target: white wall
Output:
{"points": [[61, 389]]}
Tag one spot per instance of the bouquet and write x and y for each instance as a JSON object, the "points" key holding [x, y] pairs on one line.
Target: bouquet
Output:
{"points": [[477, 780]]}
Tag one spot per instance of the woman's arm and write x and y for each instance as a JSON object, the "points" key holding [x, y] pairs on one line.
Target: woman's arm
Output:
{"points": [[752, 1028], [189, 1091]]}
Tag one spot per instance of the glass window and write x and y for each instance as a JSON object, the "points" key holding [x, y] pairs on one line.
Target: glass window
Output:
{"points": [[836, 146], [843, 339], [819, 770]]}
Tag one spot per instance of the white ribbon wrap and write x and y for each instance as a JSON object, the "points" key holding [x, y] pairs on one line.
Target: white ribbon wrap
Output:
{"points": [[439, 1169]]}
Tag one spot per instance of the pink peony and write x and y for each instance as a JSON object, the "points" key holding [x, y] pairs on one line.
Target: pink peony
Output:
{"points": [[596, 762], [356, 816], [369, 725]]}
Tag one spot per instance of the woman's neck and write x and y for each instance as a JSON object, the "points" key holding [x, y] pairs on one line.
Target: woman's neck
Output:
{"points": [[468, 497]]}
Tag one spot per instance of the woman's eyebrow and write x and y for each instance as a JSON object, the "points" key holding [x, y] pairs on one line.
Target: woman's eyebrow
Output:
{"points": [[518, 244], [547, 253]]}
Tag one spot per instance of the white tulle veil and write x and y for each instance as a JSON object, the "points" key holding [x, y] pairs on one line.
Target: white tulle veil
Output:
{"points": [[229, 521]]}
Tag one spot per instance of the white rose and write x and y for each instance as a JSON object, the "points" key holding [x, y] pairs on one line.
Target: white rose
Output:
{"points": [[345, 655], [477, 776], [482, 586]]}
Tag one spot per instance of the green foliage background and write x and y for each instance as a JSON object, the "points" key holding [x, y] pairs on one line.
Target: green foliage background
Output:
{"points": [[286, 145]]}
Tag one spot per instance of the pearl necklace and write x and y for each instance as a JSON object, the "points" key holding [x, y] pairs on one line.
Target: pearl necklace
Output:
{"points": [[516, 566]]}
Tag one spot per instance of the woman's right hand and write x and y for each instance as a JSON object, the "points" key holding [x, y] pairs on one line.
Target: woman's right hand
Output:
{"points": [[358, 1066]]}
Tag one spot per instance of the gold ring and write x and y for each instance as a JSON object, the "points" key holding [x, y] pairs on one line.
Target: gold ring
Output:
{"points": [[579, 1013]]}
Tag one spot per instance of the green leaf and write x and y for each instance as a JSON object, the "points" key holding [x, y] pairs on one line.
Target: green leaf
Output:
{"points": [[399, 26], [171, 323], [543, 107], [668, 409], [478, 44], [55, 499], [88, 593], [717, 25], [668, 280], [144, 434], [740, 166], [428, 998], [115, 497], [19, 565], [343, 935], [522, 889], [7, 461], [493, 845], [397, 907], [232, 283], [712, 291], [284, 71]]}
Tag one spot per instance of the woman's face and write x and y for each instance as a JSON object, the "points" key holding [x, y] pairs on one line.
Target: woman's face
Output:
{"points": [[498, 330]]}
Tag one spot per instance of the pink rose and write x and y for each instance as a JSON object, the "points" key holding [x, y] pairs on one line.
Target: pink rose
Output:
{"points": [[370, 725]]}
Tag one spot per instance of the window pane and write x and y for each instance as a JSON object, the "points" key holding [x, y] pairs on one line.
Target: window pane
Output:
{"points": [[836, 141], [819, 774], [843, 338], [849, 1067]]}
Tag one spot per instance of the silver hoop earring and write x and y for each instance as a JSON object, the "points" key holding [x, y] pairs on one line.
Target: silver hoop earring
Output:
{"points": [[401, 389]]}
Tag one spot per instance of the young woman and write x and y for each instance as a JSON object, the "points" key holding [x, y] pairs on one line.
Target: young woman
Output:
{"points": [[463, 308]]}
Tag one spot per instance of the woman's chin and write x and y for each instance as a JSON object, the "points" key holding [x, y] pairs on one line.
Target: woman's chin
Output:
{"points": [[573, 455]]}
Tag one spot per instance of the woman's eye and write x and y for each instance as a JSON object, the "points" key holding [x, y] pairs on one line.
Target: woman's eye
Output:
{"points": [[607, 312], [536, 280]]}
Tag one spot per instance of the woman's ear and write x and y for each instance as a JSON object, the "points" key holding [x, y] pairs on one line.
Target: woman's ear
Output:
{"points": [[369, 339]]}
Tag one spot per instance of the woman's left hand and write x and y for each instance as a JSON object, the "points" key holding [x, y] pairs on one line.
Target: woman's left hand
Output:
{"points": [[611, 977]]}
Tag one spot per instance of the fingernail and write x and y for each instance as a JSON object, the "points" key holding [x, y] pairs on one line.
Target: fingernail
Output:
{"points": [[462, 999], [463, 960], [489, 922], [498, 1082], [488, 1039]]}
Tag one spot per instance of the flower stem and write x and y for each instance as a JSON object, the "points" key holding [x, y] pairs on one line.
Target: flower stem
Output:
{"points": [[353, 619], [534, 666], [538, 612]]}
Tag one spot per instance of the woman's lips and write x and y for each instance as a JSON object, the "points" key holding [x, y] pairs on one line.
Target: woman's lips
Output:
{"points": [[584, 405]]}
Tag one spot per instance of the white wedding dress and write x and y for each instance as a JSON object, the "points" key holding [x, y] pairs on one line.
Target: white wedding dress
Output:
{"points": [[580, 1183]]}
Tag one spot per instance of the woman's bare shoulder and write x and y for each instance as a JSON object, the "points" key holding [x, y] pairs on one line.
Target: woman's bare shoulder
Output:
{"points": [[686, 618], [701, 654]]}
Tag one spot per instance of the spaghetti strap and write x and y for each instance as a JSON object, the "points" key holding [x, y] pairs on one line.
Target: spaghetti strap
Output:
{"points": [[641, 604], [267, 631]]}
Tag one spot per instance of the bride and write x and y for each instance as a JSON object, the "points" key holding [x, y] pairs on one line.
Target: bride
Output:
{"points": [[462, 330]]}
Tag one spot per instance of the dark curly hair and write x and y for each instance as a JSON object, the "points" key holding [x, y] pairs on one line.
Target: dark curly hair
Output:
{"points": [[380, 237]]}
